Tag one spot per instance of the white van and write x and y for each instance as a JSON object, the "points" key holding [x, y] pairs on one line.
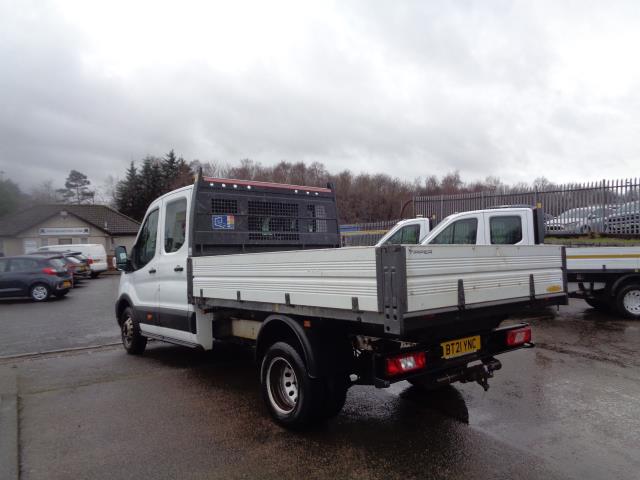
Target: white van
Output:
{"points": [[95, 252]]}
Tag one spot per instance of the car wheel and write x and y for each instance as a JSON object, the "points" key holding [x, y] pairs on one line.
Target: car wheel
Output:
{"points": [[628, 301], [61, 293], [132, 340], [598, 304], [293, 398], [39, 292], [95, 274]]}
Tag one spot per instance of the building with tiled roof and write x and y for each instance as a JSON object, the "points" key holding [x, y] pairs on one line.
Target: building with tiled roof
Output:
{"points": [[40, 225]]}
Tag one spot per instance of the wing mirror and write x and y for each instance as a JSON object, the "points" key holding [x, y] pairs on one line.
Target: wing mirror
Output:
{"points": [[121, 259]]}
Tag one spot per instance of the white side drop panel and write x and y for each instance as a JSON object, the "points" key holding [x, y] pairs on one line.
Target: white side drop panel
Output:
{"points": [[326, 278], [594, 258], [488, 273]]}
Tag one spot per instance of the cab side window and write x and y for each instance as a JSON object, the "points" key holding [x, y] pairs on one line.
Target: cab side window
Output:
{"points": [[406, 235], [175, 224], [505, 230], [145, 248], [462, 232]]}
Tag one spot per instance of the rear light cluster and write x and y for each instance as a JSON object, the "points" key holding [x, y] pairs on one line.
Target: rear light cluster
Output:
{"points": [[49, 271], [89, 261], [405, 363], [518, 336]]}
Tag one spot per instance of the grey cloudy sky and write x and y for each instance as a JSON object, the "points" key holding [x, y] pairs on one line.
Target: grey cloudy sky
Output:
{"points": [[515, 89]]}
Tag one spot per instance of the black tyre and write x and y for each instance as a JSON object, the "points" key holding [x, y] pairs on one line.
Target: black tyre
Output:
{"points": [[95, 274], [293, 398], [61, 293], [132, 340], [628, 301], [39, 292], [598, 304], [335, 396]]}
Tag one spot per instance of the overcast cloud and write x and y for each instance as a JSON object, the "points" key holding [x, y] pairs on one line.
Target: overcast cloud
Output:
{"points": [[505, 88]]}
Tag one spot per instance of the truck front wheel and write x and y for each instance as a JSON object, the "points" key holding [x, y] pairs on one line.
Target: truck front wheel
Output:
{"points": [[628, 301], [132, 340], [293, 398]]}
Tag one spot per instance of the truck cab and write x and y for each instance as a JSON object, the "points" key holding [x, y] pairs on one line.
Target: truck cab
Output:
{"points": [[496, 226], [157, 282]]}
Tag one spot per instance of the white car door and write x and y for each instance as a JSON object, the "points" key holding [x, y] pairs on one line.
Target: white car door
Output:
{"points": [[143, 281], [175, 316]]}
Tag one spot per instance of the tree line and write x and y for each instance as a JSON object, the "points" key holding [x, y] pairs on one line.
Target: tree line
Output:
{"points": [[361, 197]]}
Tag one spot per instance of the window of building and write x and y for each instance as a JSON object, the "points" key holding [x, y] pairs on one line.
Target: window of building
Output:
{"points": [[462, 232], [505, 230], [175, 223], [65, 241], [84, 240]]}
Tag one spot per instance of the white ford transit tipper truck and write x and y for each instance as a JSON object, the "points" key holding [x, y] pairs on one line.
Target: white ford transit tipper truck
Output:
{"points": [[259, 263], [607, 278]]}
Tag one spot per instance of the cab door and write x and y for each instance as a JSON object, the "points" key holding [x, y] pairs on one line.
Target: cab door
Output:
{"points": [[144, 260], [174, 310]]}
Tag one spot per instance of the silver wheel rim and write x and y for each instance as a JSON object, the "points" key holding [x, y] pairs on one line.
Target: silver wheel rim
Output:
{"points": [[282, 386], [127, 332], [39, 292], [631, 302]]}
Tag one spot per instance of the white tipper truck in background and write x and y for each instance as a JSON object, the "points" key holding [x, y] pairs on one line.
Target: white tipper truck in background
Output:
{"points": [[607, 278], [259, 264]]}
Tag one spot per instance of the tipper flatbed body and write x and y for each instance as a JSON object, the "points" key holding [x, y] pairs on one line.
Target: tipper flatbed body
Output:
{"points": [[257, 263], [607, 278]]}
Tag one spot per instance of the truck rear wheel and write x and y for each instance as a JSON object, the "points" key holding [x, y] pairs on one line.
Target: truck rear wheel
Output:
{"points": [[628, 301], [293, 398], [132, 340]]}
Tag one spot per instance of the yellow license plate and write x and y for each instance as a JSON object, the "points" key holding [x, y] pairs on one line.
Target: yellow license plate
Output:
{"points": [[66, 284], [461, 346]]}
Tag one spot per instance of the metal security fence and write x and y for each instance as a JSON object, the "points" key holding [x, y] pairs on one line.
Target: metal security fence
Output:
{"points": [[364, 234], [610, 207]]}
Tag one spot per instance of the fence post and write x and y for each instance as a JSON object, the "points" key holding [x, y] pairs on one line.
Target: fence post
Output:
{"points": [[441, 207]]}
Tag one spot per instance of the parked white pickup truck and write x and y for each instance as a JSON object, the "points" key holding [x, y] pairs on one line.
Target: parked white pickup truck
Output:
{"points": [[258, 263], [607, 278]]}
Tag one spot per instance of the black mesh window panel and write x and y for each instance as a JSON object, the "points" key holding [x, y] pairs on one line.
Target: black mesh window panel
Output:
{"points": [[316, 213], [273, 221], [223, 206]]}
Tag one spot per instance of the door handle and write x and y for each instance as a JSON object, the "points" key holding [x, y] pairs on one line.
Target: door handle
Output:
{"points": [[153, 270], [178, 268]]}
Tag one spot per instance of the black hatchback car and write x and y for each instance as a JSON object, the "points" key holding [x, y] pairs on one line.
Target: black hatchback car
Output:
{"points": [[34, 276]]}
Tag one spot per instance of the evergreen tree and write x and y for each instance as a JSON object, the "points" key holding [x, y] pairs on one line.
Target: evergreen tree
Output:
{"points": [[128, 200], [10, 196], [76, 188]]}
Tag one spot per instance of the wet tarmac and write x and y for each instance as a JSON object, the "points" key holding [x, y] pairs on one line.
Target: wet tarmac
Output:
{"points": [[566, 409]]}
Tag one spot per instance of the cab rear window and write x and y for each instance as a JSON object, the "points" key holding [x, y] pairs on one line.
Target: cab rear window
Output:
{"points": [[505, 230]]}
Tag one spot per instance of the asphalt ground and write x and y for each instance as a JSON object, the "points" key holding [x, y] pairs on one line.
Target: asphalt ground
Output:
{"points": [[567, 409]]}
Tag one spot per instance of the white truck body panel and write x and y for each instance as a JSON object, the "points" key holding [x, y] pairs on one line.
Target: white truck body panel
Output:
{"points": [[489, 274], [611, 258], [330, 278], [320, 278]]}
